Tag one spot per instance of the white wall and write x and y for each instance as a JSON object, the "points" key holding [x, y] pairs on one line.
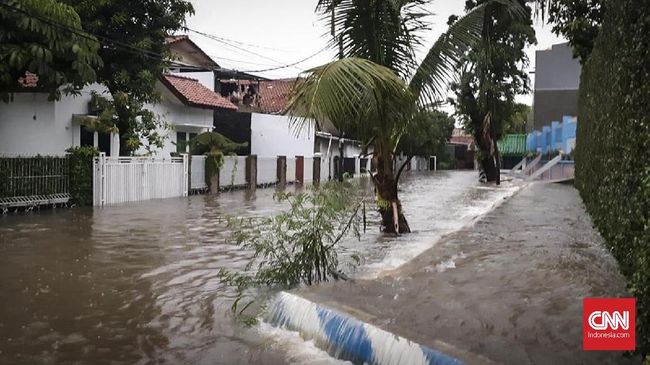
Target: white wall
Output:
{"points": [[267, 170], [271, 136], [31, 124], [233, 172], [181, 118]]}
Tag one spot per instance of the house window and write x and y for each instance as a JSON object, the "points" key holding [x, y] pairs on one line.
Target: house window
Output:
{"points": [[87, 137], [104, 143], [181, 142]]}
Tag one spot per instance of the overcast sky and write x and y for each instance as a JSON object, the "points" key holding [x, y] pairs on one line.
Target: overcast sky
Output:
{"points": [[264, 34]]}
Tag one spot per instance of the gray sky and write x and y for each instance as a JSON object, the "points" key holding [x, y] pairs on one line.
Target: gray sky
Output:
{"points": [[269, 33]]}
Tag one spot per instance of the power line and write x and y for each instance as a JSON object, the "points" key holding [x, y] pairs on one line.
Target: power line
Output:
{"points": [[221, 40], [94, 37], [281, 65], [291, 64], [157, 56], [243, 43]]}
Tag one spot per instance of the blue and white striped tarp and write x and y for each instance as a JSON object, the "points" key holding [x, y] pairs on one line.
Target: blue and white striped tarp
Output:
{"points": [[347, 338]]}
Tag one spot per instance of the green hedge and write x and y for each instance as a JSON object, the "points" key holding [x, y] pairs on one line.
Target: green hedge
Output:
{"points": [[613, 148], [80, 160]]}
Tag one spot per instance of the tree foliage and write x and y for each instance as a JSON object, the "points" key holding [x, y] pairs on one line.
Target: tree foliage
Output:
{"points": [[427, 134], [148, 131], [372, 91], [613, 149], [213, 142], [45, 38], [132, 36], [494, 75], [579, 21], [297, 246], [516, 124]]}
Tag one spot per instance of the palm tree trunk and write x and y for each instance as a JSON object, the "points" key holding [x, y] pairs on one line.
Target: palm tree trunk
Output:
{"points": [[390, 208]]}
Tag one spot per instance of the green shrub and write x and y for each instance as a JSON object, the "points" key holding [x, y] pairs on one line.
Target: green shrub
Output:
{"points": [[80, 160], [613, 148], [298, 246], [213, 163], [18, 176]]}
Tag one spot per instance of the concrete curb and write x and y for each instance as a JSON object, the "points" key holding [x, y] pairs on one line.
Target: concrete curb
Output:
{"points": [[347, 338]]}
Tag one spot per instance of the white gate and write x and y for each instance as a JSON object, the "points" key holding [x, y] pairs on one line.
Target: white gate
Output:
{"points": [[129, 179], [198, 173]]}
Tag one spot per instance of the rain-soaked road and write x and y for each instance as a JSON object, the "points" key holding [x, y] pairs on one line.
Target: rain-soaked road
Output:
{"points": [[138, 283]]}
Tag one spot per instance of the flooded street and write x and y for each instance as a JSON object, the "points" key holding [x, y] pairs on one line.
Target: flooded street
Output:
{"points": [[139, 283]]}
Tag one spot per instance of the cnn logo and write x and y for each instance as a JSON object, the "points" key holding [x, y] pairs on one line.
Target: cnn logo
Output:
{"points": [[609, 324], [601, 320]]}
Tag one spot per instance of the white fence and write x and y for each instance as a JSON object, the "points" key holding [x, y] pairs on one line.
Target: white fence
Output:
{"points": [[291, 169], [197, 181], [233, 172], [267, 170], [308, 171], [128, 179]]}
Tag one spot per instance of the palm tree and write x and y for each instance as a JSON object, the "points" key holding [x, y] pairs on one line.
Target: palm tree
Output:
{"points": [[376, 86]]}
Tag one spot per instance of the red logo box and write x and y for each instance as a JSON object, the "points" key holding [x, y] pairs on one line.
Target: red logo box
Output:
{"points": [[608, 324]]}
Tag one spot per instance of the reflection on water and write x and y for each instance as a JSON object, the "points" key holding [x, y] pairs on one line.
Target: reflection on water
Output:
{"points": [[138, 283]]}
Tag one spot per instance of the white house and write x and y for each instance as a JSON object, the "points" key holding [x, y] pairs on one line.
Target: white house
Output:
{"points": [[30, 124]]}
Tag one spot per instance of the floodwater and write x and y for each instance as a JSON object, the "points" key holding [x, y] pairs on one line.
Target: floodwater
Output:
{"points": [[138, 283]]}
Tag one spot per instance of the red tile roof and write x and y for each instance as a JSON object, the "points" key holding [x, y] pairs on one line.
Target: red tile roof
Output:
{"points": [[29, 80], [192, 92], [175, 38], [273, 94], [459, 136]]}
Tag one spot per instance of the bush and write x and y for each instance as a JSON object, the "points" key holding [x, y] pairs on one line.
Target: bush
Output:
{"points": [[297, 246], [613, 149], [80, 160]]}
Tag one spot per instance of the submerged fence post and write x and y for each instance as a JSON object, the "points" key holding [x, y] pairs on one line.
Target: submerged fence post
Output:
{"points": [[316, 171], [251, 171], [282, 171]]}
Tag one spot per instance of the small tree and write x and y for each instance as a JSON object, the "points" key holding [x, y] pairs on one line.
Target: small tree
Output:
{"points": [[298, 246], [494, 75], [132, 36], [45, 38], [426, 135]]}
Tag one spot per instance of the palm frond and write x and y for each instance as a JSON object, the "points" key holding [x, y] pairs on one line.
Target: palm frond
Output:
{"points": [[383, 31], [439, 68], [357, 96]]}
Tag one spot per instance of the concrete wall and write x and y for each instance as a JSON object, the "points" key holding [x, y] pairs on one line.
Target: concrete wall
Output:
{"points": [[267, 170], [180, 118], [552, 105], [557, 80], [30, 124], [556, 69], [272, 136]]}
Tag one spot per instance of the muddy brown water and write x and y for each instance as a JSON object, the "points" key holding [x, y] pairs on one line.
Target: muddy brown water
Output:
{"points": [[138, 283]]}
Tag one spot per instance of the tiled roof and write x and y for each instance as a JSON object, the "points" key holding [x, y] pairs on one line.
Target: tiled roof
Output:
{"points": [[512, 145], [175, 38], [29, 80], [273, 94], [192, 92], [459, 136]]}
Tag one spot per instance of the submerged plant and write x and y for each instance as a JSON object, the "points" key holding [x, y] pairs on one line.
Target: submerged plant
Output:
{"points": [[298, 246]]}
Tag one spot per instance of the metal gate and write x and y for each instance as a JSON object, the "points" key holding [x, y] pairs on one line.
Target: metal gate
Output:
{"points": [[128, 179]]}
